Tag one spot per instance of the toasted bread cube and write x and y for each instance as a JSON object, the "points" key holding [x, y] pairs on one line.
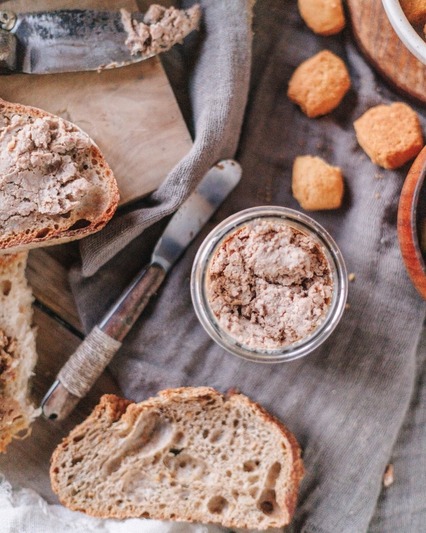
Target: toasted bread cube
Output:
{"points": [[319, 84], [316, 184], [325, 17], [391, 135]]}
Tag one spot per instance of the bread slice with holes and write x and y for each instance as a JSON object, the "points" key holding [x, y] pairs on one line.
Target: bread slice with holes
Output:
{"points": [[55, 185], [17, 349], [189, 454]]}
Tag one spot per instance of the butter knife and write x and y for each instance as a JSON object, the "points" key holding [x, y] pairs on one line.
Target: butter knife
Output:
{"points": [[90, 359], [72, 40]]}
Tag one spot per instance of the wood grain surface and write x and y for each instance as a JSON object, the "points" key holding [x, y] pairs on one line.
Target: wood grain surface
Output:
{"points": [[379, 42], [130, 112], [48, 278]]}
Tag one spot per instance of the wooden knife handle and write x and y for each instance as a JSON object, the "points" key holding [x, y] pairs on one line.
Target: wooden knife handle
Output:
{"points": [[124, 313], [87, 363]]}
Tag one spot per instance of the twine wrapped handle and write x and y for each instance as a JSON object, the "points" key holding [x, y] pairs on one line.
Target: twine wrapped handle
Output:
{"points": [[88, 362]]}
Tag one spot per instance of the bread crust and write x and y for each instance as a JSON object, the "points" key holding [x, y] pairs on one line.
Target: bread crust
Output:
{"points": [[24, 241], [115, 409]]}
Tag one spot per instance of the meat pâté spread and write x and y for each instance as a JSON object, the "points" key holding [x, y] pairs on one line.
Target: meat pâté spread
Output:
{"points": [[268, 284]]}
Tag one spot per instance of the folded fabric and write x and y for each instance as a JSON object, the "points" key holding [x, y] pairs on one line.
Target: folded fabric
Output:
{"points": [[220, 70], [347, 401]]}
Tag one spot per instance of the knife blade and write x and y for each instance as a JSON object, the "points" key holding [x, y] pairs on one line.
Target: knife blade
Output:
{"points": [[86, 364], [72, 40]]}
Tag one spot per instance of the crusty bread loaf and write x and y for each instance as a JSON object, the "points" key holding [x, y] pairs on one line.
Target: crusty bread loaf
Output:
{"points": [[55, 185], [17, 348], [189, 454]]}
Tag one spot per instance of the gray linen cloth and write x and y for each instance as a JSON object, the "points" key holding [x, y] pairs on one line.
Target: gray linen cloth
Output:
{"points": [[348, 403]]}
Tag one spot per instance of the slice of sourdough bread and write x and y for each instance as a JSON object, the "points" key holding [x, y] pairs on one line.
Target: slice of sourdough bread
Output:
{"points": [[55, 185], [17, 349], [190, 454]]}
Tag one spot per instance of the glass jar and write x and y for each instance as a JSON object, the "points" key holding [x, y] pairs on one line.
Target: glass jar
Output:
{"points": [[300, 222]]}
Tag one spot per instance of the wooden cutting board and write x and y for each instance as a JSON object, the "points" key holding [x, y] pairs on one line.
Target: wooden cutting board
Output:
{"points": [[381, 45], [130, 112]]}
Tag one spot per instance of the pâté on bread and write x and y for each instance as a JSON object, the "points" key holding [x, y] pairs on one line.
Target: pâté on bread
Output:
{"points": [[189, 454], [55, 185]]}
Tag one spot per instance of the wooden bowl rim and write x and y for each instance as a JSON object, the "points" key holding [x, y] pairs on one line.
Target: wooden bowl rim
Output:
{"points": [[407, 223]]}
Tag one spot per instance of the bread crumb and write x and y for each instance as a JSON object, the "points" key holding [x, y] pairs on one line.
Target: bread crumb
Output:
{"points": [[317, 185], [388, 476], [319, 84], [377, 196], [325, 17], [347, 306], [351, 277], [391, 135]]}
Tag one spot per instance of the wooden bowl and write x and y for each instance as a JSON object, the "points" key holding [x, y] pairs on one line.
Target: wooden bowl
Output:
{"points": [[411, 212], [405, 30]]}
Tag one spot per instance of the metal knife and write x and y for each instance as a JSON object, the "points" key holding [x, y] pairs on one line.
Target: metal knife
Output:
{"points": [[66, 41], [86, 364]]}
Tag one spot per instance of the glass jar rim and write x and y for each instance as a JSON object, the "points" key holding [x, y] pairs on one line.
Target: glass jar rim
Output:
{"points": [[305, 224]]}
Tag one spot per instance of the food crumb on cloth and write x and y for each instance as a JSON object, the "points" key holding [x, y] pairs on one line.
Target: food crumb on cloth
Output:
{"points": [[388, 476], [269, 285]]}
